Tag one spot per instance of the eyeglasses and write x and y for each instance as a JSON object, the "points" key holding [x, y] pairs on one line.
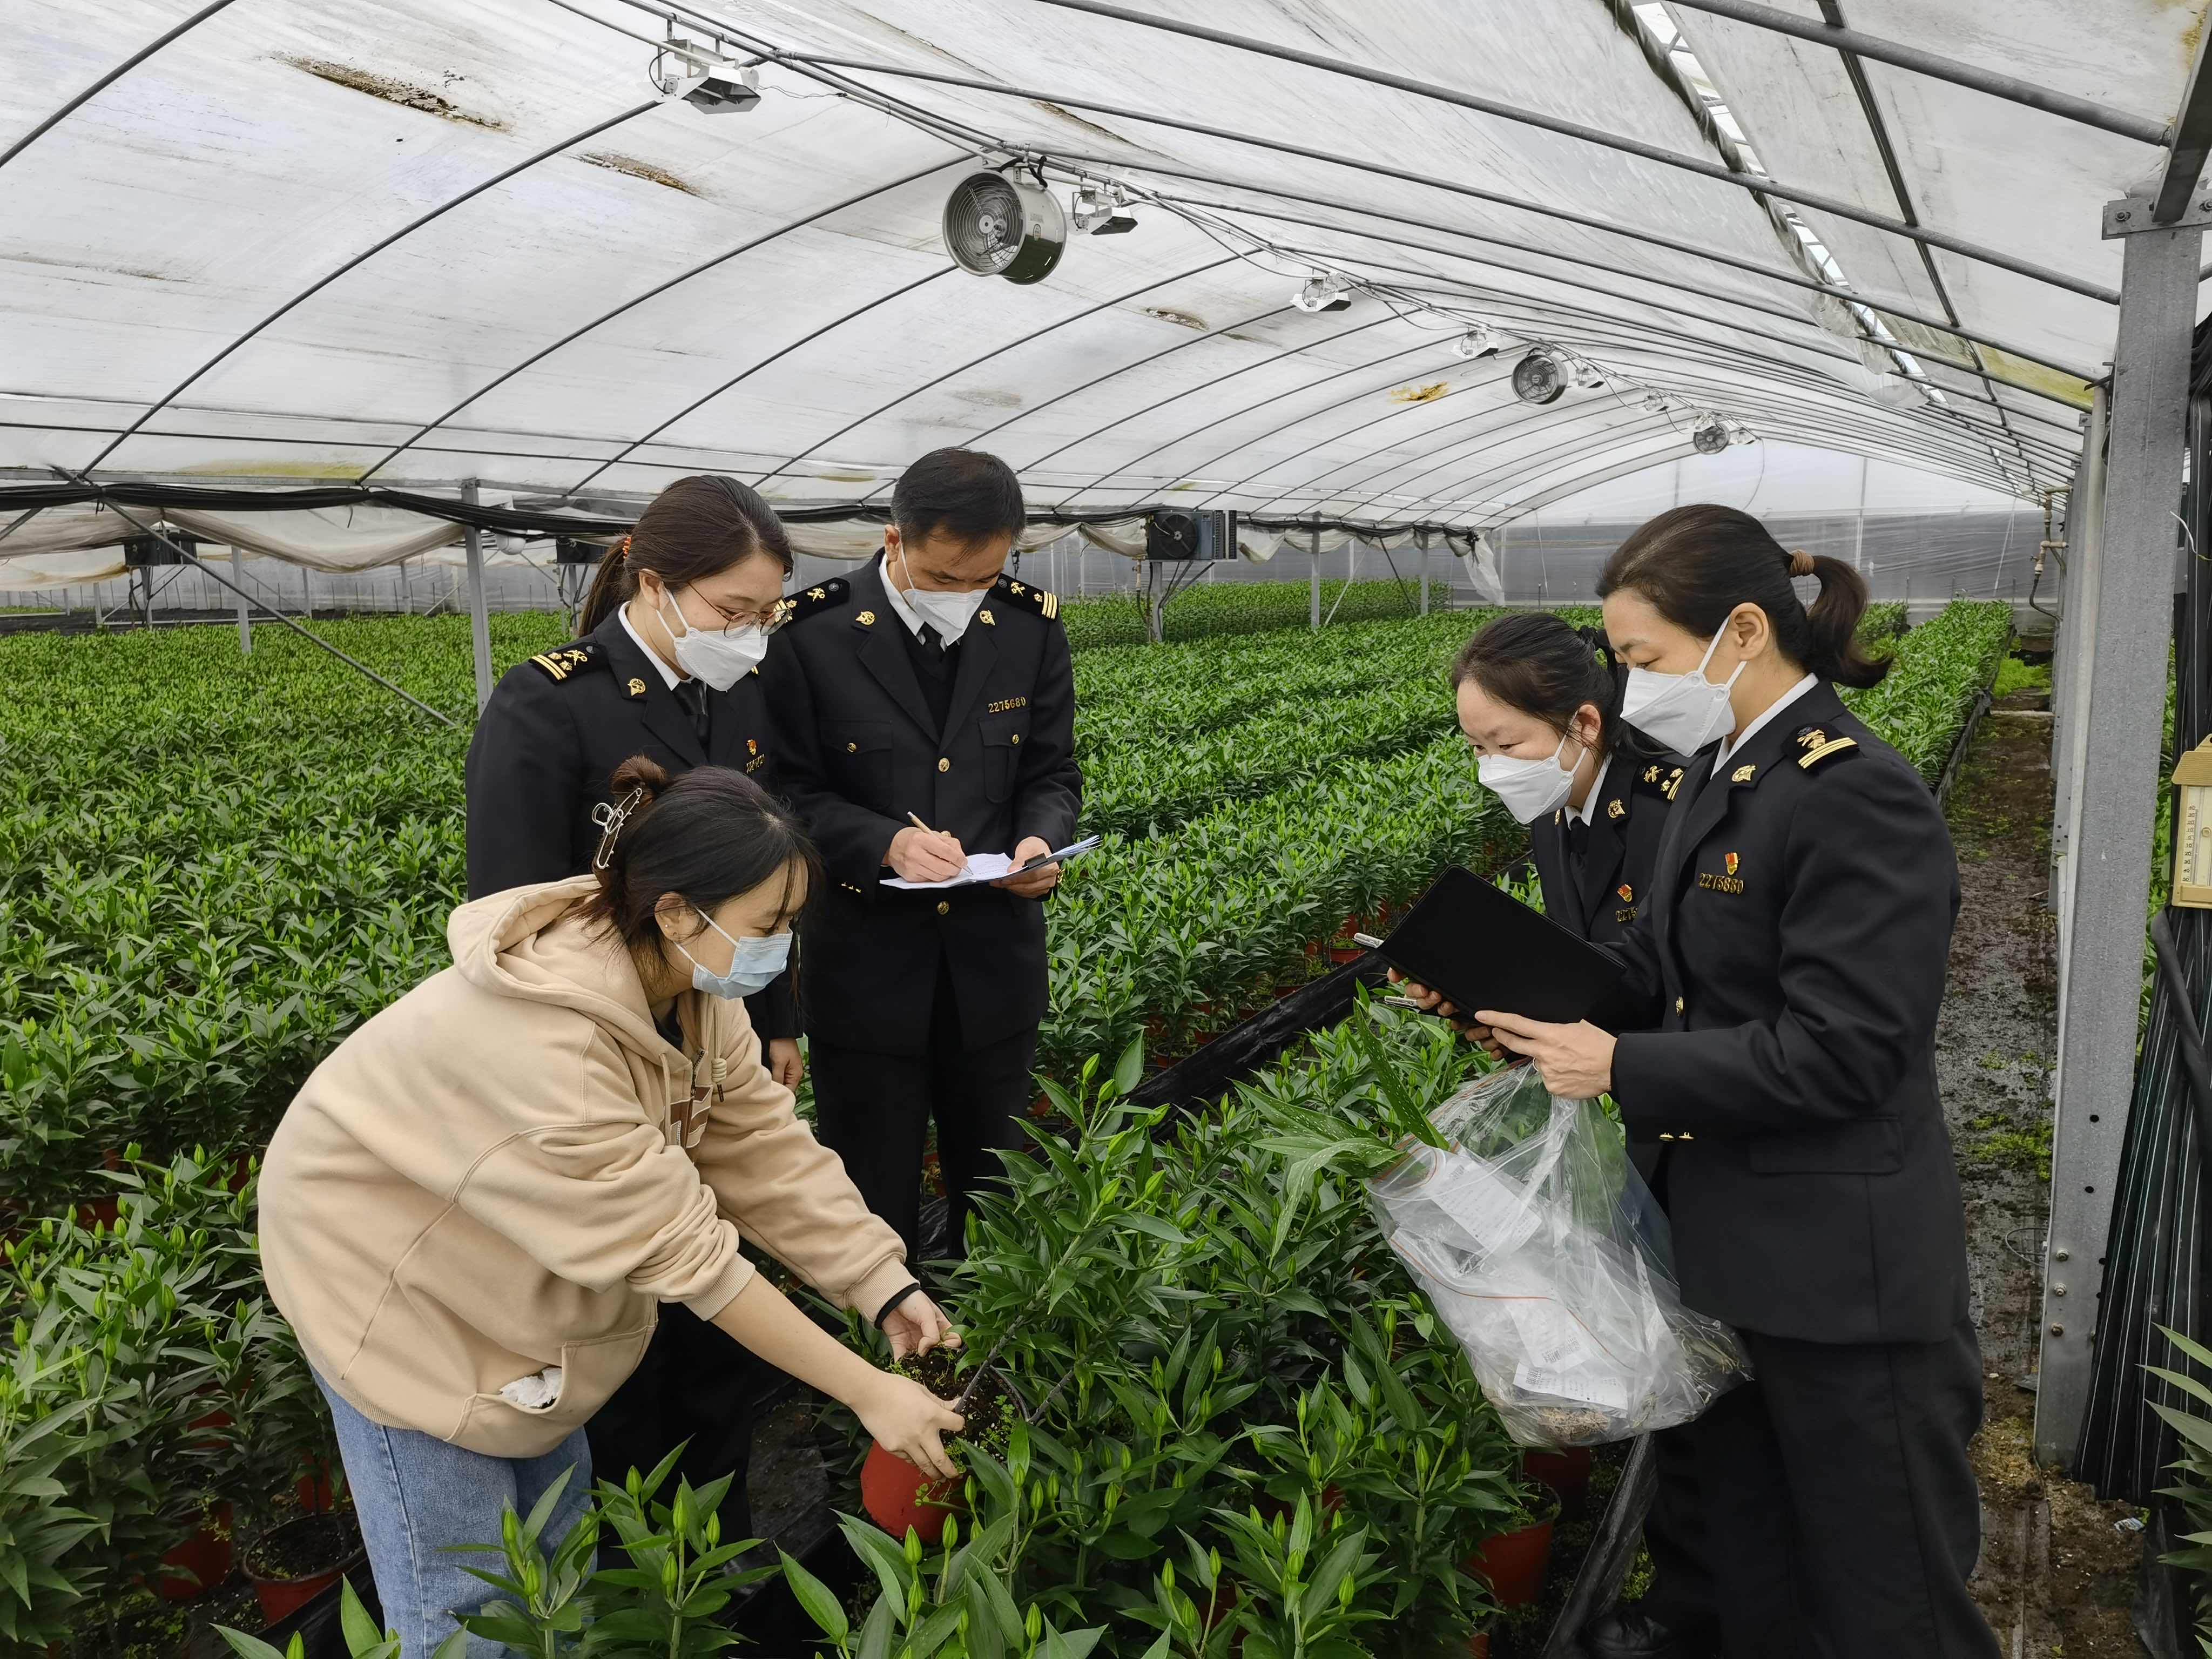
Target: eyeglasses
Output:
{"points": [[767, 621]]}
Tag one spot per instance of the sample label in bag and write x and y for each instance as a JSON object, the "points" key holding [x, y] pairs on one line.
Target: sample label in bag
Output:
{"points": [[1495, 1211]]}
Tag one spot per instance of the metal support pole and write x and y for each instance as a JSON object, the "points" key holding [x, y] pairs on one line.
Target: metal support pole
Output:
{"points": [[1313, 603], [245, 610], [479, 619], [2123, 608], [1423, 540]]}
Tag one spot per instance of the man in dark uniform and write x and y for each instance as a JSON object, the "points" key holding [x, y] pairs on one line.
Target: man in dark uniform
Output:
{"points": [[923, 712]]}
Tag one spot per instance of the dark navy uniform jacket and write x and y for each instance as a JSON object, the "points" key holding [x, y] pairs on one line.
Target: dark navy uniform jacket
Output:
{"points": [[1600, 897], [858, 748], [548, 741], [1793, 958]]}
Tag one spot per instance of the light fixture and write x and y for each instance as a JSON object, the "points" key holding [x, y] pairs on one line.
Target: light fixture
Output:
{"points": [[1587, 375], [1710, 436], [1656, 402], [1741, 434], [998, 226], [1100, 209], [1480, 341], [706, 80], [1325, 290], [1538, 378]]}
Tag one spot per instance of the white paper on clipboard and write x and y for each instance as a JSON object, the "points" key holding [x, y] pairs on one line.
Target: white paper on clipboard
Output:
{"points": [[991, 867]]}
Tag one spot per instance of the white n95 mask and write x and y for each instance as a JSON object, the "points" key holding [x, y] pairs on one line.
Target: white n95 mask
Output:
{"points": [[948, 613], [1681, 712], [1528, 789], [718, 660]]}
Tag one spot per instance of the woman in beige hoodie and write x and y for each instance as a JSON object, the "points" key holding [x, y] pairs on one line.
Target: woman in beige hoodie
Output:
{"points": [[476, 1205]]}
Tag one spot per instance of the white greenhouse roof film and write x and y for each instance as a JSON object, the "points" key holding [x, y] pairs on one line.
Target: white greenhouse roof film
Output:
{"points": [[415, 242]]}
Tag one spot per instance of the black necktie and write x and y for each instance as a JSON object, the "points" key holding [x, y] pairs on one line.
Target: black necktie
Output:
{"points": [[692, 694], [1578, 841], [932, 638]]}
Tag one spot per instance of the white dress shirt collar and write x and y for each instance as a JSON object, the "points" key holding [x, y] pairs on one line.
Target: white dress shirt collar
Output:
{"points": [[1590, 801], [904, 612], [668, 675], [1780, 703]]}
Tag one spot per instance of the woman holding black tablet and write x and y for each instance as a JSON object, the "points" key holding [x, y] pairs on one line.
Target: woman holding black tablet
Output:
{"points": [[1791, 958], [1542, 712]]}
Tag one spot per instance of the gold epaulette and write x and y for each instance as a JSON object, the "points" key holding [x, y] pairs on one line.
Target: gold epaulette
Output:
{"points": [[816, 596], [564, 662], [1043, 601], [1819, 746]]}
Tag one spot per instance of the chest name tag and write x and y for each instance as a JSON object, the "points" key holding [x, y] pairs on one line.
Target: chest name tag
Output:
{"points": [[1713, 881]]}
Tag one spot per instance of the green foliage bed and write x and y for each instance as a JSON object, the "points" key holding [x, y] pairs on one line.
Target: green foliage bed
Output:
{"points": [[212, 867]]}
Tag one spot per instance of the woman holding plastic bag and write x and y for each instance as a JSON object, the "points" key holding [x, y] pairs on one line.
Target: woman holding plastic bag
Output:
{"points": [[1543, 714], [1792, 959]]}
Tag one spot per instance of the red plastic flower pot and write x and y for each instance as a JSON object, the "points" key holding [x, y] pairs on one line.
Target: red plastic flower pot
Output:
{"points": [[1566, 1472], [208, 1555], [290, 1566], [1513, 1563], [897, 1496], [1478, 1645], [1340, 954]]}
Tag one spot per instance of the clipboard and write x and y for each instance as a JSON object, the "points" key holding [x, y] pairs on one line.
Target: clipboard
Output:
{"points": [[1483, 948]]}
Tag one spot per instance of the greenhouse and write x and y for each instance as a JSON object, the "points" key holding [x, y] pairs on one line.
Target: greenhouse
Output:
{"points": [[1158, 445]]}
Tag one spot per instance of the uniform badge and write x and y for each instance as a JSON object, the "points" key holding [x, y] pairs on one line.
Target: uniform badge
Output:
{"points": [[986, 619], [1613, 809], [1713, 881], [637, 687], [1743, 774], [1819, 746], [1044, 603], [1627, 893], [867, 619], [818, 594], [1650, 774], [1728, 858], [569, 660]]}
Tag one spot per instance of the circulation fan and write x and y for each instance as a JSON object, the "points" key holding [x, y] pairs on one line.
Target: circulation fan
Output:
{"points": [[1710, 436], [995, 226]]}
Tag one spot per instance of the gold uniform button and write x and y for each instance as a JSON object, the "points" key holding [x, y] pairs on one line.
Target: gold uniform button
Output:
{"points": [[852, 748], [944, 907], [944, 765], [1665, 1137], [1678, 1004], [1017, 737], [1686, 1135]]}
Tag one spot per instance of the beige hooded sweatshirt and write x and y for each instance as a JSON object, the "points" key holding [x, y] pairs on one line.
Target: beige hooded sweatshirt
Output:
{"points": [[484, 1181]]}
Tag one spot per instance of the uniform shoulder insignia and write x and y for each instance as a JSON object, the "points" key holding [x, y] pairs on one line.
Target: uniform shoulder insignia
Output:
{"points": [[1045, 603], [816, 596], [1819, 746], [1661, 781], [565, 662]]}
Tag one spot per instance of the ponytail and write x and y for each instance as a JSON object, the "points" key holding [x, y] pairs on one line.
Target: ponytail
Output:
{"points": [[1696, 564], [697, 527]]}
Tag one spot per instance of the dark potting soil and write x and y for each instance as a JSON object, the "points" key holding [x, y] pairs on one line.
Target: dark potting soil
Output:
{"points": [[990, 1409], [2056, 1572], [309, 1545]]}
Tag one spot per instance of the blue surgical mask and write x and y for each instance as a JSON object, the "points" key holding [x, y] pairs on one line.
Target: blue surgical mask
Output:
{"points": [[753, 964]]}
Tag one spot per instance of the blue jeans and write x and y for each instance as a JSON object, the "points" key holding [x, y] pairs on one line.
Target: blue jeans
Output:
{"points": [[417, 1495]]}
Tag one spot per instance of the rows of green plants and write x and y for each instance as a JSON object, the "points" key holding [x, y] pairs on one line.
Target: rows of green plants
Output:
{"points": [[1205, 610], [1939, 670]]}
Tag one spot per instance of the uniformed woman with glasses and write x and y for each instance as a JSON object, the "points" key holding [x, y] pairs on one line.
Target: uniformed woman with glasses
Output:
{"points": [[677, 622], [1792, 960]]}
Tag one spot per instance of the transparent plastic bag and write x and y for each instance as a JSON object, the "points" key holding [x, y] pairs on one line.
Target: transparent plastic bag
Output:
{"points": [[1547, 1257]]}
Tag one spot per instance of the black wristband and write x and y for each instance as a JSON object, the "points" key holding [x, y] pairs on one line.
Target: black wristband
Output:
{"points": [[889, 1307]]}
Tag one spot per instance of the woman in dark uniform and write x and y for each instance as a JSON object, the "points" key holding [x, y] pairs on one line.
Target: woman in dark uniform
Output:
{"points": [[1543, 714], [1792, 959], [676, 622]]}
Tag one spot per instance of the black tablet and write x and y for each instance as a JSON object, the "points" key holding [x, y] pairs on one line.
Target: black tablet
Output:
{"points": [[1483, 948]]}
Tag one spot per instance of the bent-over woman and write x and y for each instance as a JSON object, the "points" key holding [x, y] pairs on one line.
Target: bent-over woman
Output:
{"points": [[476, 1206]]}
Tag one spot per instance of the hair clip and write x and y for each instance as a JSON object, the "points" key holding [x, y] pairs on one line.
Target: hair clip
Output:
{"points": [[622, 551], [610, 815]]}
